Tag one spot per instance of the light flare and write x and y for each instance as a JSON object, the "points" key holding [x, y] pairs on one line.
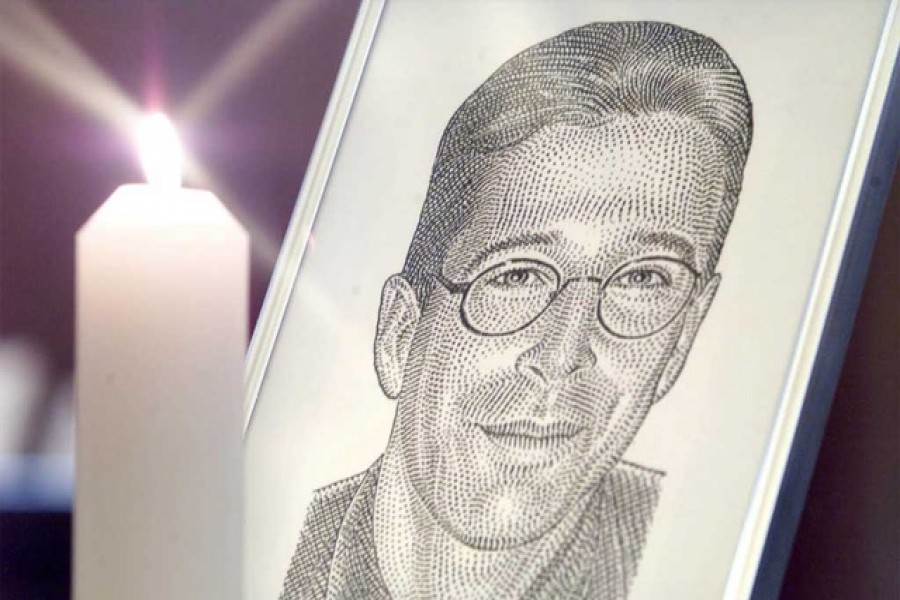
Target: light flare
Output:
{"points": [[31, 43], [243, 58], [34, 45], [160, 151]]}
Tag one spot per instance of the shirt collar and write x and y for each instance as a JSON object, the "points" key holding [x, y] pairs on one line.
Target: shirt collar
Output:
{"points": [[354, 566]]}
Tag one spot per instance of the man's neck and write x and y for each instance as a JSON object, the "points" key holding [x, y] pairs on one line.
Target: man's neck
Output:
{"points": [[419, 558]]}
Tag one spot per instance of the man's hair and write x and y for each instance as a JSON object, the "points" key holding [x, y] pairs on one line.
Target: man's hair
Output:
{"points": [[583, 77]]}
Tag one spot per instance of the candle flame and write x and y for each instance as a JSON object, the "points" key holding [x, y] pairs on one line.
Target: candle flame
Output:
{"points": [[160, 151]]}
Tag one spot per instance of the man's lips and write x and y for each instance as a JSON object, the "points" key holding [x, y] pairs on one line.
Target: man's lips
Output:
{"points": [[531, 435]]}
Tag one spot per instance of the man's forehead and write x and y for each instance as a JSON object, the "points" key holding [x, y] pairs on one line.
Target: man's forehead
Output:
{"points": [[573, 238], [654, 155], [654, 181]]}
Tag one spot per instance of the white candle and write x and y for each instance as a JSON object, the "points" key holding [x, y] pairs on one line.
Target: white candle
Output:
{"points": [[162, 284]]}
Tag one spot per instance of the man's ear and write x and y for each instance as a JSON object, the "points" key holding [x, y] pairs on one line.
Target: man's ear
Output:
{"points": [[695, 315], [397, 320]]}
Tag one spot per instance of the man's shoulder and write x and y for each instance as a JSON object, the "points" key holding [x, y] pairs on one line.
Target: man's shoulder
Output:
{"points": [[634, 491], [307, 576], [329, 503], [635, 480]]}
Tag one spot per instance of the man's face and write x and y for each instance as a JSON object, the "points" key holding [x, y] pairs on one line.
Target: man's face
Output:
{"points": [[502, 434]]}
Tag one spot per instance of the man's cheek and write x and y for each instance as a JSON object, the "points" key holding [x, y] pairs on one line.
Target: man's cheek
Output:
{"points": [[637, 365], [490, 356]]}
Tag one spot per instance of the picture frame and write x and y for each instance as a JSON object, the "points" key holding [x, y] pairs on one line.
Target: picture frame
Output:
{"points": [[827, 239]]}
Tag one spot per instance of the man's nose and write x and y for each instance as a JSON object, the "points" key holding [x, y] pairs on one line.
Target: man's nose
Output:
{"points": [[567, 327]]}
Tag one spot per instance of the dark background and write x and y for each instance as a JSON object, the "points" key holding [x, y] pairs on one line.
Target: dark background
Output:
{"points": [[60, 159]]}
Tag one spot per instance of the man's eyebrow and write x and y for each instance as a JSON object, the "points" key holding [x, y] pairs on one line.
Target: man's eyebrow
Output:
{"points": [[517, 241], [668, 241]]}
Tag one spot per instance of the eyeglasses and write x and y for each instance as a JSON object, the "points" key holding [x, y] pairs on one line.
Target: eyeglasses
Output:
{"points": [[639, 299]]}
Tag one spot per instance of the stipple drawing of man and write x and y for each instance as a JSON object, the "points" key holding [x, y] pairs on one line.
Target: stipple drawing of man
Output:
{"points": [[563, 262]]}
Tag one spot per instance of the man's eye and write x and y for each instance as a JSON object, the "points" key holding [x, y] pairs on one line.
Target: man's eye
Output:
{"points": [[642, 278], [516, 278]]}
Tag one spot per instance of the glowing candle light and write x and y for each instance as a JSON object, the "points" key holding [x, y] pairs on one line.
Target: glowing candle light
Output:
{"points": [[162, 284], [160, 152]]}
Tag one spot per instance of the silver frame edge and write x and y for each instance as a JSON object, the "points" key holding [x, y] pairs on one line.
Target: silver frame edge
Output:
{"points": [[284, 275]]}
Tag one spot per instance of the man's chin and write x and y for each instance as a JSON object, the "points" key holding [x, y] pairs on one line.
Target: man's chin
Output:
{"points": [[506, 520]]}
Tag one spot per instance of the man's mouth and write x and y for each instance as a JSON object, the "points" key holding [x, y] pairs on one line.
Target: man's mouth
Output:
{"points": [[532, 436]]}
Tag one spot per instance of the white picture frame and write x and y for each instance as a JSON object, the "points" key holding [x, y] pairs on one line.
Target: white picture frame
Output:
{"points": [[823, 240]]}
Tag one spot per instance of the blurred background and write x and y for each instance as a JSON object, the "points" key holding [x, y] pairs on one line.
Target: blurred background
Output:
{"points": [[247, 84]]}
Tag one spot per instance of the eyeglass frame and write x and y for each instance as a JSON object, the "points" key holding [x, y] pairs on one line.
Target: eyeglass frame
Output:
{"points": [[463, 289]]}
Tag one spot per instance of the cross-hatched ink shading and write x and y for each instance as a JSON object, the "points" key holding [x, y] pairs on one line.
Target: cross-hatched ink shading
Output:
{"points": [[561, 267]]}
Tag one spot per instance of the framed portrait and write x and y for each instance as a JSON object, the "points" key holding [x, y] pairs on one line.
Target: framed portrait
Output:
{"points": [[564, 297]]}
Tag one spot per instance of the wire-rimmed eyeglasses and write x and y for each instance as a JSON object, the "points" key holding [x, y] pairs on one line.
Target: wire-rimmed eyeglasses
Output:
{"points": [[637, 300]]}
